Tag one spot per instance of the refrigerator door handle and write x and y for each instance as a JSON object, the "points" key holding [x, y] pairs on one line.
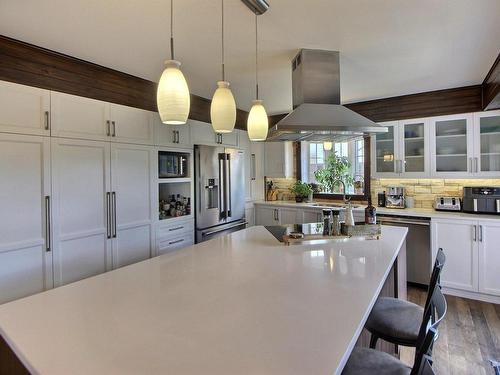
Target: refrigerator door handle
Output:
{"points": [[113, 196], [229, 189], [222, 187], [108, 214]]}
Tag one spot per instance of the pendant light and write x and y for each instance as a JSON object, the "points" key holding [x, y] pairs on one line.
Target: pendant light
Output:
{"points": [[327, 146], [223, 106], [257, 124], [172, 96]]}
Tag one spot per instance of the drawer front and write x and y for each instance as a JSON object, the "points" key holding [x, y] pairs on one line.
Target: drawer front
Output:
{"points": [[168, 245], [175, 229]]}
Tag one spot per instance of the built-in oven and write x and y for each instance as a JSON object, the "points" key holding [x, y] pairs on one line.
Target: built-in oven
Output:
{"points": [[173, 164], [418, 245]]}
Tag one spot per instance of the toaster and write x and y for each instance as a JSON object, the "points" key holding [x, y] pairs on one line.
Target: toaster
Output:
{"points": [[448, 204]]}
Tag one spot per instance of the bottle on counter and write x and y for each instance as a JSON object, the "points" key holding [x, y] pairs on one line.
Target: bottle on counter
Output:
{"points": [[349, 217], [370, 213], [327, 222], [172, 206], [336, 223], [188, 207]]}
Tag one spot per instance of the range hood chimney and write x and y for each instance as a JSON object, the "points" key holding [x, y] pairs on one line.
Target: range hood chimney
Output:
{"points": [[317, 114]]}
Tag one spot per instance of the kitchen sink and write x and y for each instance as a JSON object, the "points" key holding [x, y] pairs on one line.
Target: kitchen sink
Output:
{"points": [[339, 205]]}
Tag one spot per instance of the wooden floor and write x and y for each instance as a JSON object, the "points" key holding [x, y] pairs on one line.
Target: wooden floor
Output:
{"points": [[468, 337]]}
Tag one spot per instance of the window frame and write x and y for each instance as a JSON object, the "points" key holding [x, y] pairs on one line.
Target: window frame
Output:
{"points": [[332, 196]]}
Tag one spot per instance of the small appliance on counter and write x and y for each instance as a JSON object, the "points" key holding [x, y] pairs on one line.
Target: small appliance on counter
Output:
{"points": [[448, 204], [395, 197], [482, 200], [381, 199]]}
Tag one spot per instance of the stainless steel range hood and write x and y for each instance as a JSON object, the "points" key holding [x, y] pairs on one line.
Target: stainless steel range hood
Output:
{"points": [[317, 114]]}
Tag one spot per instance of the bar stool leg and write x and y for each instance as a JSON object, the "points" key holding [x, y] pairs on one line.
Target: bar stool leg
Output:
{"points": [[373, 341]]}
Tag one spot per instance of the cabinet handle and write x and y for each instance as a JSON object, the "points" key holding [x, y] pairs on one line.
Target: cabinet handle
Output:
{"points": [[176, 228], [47, 120], [114, 128], [47, 224], [108, 214], [108, 128], [173, 136], [172, 242], [113, 195], [474, 233], [480, 233], [177, 136]]}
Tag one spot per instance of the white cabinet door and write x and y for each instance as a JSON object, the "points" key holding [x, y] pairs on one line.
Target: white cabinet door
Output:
{"points": [[80, 181], [487, 144], [171, 135], [452, 146], [229, 139], [175, 243], [24, 109], [312, 216], [77, 117], [202, 133], [250, 216], [257, 170], [248, 166], [131, 184], [278, 159], [131, 125], [458, 239], [385, 152], [25, 263], [288, 215], [266, 215], [489, 257], [414, 148]]}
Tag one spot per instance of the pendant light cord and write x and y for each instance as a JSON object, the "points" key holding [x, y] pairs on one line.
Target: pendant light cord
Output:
{"points": [[172, 29], [223, 69], [256, 61]]}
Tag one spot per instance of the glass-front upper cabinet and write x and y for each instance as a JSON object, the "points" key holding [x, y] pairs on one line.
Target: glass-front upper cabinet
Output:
{"points": [[414, 147], [452, 148], [385, 151], [487, 143]]}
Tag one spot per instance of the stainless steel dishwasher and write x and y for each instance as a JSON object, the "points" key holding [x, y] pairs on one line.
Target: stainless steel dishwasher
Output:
{"points": [[418, 245]]}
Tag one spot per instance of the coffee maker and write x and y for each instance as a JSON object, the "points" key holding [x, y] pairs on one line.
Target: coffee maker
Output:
{"points": [[395, 197]]}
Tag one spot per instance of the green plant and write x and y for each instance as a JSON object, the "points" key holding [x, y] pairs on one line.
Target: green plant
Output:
{"points": [[336, 168], [301, 189]]}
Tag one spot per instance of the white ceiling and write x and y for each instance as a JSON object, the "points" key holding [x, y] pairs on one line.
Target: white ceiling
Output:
{"points": [[388, 47]]}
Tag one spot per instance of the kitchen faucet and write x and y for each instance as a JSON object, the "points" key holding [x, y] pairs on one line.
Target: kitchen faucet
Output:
{"points": [[346, 200]]}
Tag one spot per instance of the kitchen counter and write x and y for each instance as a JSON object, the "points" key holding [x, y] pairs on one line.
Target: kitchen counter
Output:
{"points": [[410, 212], [239, 304]]}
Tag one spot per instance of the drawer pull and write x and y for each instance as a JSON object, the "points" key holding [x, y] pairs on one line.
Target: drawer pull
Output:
{"points": [[176, 228], [174, 242]]}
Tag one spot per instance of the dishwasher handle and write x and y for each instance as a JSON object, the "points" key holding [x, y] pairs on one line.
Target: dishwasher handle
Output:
{"points": [[398, 220]]}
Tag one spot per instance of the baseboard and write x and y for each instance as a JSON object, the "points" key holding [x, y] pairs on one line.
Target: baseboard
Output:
{"points": [[472, 295]]}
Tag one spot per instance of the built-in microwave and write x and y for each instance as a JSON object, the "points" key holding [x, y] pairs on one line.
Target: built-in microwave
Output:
{"points": [[172, 164]]}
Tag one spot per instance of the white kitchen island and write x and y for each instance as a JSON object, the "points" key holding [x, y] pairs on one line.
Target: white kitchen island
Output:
{"points": [[240, 304]]}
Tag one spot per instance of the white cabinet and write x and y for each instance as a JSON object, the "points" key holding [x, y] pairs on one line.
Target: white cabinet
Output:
{"points": [[81, 204], [250, 214], [257, 170], [487, 144], [131, 125], [202, 133], [24, 109], [229, 139], [25, 252], [278, 159], [489, 257], [288, 215], [132, 186], [403, 150], [311, 216], [175, 235], [77, 117], [458, 240], [452, 146], [265, 215], [171, 135]]}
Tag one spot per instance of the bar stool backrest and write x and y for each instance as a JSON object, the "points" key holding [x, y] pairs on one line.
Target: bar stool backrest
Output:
{"points": [[426, 366], [436, 274]]}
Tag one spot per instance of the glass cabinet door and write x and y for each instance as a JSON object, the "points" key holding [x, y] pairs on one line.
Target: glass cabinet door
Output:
{"points": [[489, 143], [414, 149], [385, 150], [452, 145]]}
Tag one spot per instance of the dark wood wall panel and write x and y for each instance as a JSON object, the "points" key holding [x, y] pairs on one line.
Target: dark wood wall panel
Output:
{"points": [[491, 87], [34, 66]]}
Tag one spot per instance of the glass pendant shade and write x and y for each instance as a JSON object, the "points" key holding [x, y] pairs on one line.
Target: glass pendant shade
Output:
{"points": [[257, 124], [327, 146], [172, 96], [223, 109]]}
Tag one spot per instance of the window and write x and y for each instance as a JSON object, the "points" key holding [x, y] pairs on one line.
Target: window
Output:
{"points": [[316, 157]]}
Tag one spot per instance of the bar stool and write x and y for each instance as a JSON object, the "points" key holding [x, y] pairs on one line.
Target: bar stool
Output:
{"points": [[370, 361], [398, 321]]}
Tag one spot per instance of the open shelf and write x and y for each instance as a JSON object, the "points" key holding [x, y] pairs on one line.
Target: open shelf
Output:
{"points": [[414, 156], [451, 155], [173, 180], [451, 136], [414, 139], [490, 133]]}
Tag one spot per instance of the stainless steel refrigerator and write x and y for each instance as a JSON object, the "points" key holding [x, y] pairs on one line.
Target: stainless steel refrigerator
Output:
{"points": [[219, 191]]}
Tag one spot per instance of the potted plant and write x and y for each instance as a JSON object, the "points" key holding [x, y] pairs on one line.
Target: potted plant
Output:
{"points": [[337, 168], [301, 190]]}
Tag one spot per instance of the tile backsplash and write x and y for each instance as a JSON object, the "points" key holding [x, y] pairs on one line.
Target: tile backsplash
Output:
{"points": [[424, 191]]}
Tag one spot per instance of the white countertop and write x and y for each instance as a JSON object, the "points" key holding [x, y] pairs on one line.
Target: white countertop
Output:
{"points": [[239, 304], [410, 212]]}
